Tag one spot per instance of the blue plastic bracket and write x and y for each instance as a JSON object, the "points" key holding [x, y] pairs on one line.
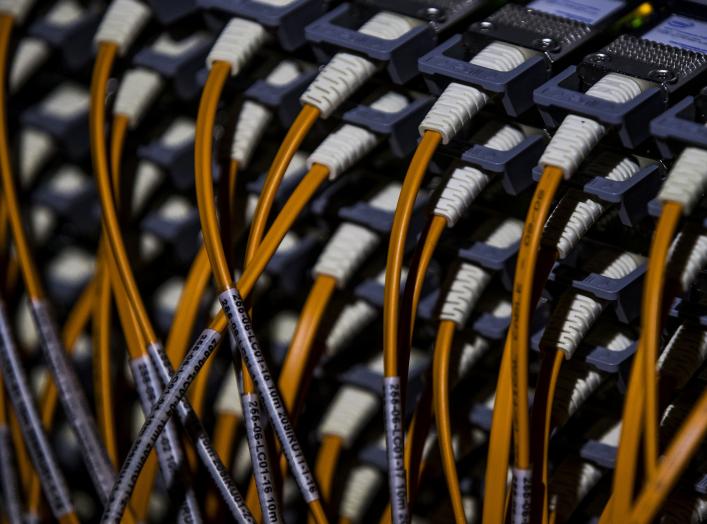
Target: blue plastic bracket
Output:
{"points": [[561, 95], [182, 69], [677, 127], [399, 127], [446, 64], [74, 40], [71, 132], [514, 165], [399, 55], [287, 21], [282, 99]]}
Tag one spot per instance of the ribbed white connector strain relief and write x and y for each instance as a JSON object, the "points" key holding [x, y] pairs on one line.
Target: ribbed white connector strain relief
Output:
{"points": [[501, 56], [574, 387], [687, 180], [577, 136], [685, 507], [504, 234], [573, 216], [454, 108], [469, 282], [237, 44], [388, 26], [688, 252], [350, 322], [570, 483], [253, 119], [229, 398], [123, 21], [612, 167], [35, 149], [137, 91], [467, 182], [17, 9], [348, 414], [685, 353], [471, 353], [342, 149], [390, 102], [618, 88], [612, 337], [574, 316], [612, 265], [672, 418], [30, 55], [283, 73], [572, 142], [337, 81], [458, 104], [363, 485], [387, 198], [350, 245], [462, 188], [505, 138]]}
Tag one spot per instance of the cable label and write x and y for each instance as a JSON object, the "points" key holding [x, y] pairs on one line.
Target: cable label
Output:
{"points": [[260, 458], [73, 400], [148, 387], [239, 324], [53, 484], [158, 418], [587, 12], [205, 345], [8, 476], [520, 505], [682, 32], [395, 449]]}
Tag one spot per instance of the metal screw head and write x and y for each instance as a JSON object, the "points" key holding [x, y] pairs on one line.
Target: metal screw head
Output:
{"points": [[433, 14], [486, 25], [662, 76], [597, 58], [546, 44]]}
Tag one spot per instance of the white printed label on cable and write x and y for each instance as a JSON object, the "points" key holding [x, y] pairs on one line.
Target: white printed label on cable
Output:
{"points": [[246, 342], [682, 32], [395, 448], [53, 484], [8, 477], [72, 398], [262, 470], [521, 495], [587, 12]]}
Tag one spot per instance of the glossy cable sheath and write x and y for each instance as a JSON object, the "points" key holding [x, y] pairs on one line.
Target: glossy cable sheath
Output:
{"points": [[541, 426], [540, 207], [212, 241], [104, 60], [442, 351], [671, 465], [651, 326], [54, 485], [496, 476], [72, 398], [394, 264], [8, 472]]}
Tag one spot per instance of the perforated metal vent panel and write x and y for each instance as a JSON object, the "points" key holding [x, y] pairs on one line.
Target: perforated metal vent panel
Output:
{"points": [[562, 30]]}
